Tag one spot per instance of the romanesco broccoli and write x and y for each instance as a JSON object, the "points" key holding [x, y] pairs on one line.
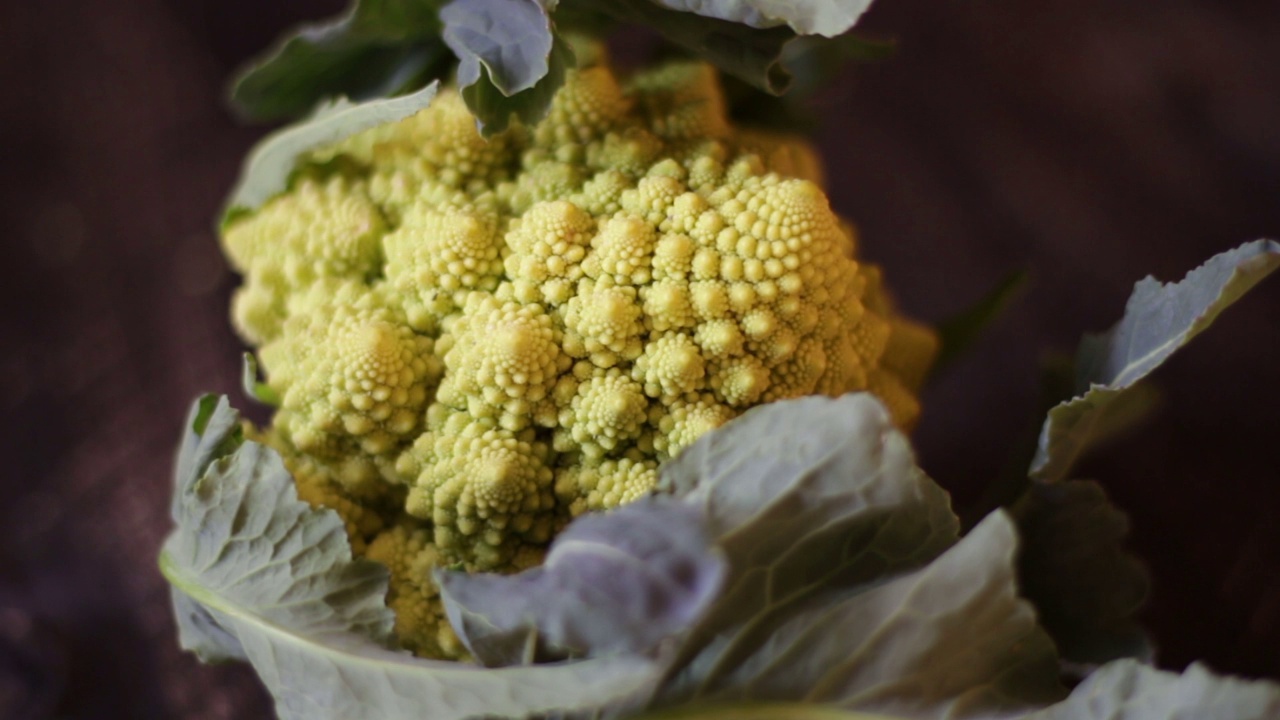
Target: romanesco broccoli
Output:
{"points": [[474, 341]]}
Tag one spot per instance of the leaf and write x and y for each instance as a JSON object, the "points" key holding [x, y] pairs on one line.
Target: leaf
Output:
{"points": [[1158, 320], [260, 575], [760, 711], [493, 110], [951, 639], [1129, 690], [804, 496], [512, 62], [213, 431], [509, 60], [1122, 690], [749, 54], [511, 39], [1074, 569], [959, 332], [267, 170], [806, 17], [252, 386], [613, 583], [238, 515], [812, 63], [375, 49], [200, 632], [1057, 377]]}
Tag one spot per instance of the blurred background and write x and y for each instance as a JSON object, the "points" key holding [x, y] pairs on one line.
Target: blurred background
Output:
{"points": [[1089, 142]]}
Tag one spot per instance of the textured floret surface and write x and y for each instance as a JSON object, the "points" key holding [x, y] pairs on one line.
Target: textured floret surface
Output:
{"points": [[475, 341]]}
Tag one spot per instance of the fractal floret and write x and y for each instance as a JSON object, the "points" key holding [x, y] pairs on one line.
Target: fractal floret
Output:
{"points": [[474, 341]]}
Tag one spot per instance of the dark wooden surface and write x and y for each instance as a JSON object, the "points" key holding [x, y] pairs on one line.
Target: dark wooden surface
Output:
{"points": [[1090, 141]]}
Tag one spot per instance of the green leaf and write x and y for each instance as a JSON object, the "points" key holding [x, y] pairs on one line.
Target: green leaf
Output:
{"points": [[1074, 569], [624, 581], [1158, 320], [1122, 690], [493, 110], [375, 49], [213, 430], [813, 63], [760, 711], [511, 39], [399, 19], [1057, 380], [805, 496], [239, 515], [509, 59], [1129, 690], [253, 387], [272, 162], [749, 54], [805, 17], [948, 640], [959, 332], [260, 575]]}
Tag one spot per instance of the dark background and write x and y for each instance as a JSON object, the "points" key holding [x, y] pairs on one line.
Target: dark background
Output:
{"points": [[1089, 141]]}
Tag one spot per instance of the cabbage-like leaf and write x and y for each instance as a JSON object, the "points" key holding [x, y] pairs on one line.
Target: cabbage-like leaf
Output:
{"points": [[1158, 320], [510, 38], [269, 166], [509, 60], [804, 496], [493, 110], [752, 55], [1086, 588], [375, 49], [806, 17], [612, 583], [213, 430], [1122, 690], [260, 575], [952, 639], [760, 711], [1129, 690], [811, 63]]}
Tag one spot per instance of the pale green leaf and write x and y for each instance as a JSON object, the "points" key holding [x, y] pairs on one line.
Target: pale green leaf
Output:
{"points": [[806, 17], [1158, 320], [1122, 690], [511, 39], [624, 581], [1129, 690], [269, 166], [260, 575], [493, 110], [375, 49], [211, 431], [805, 496], [760, 711], [200, 632], [509, 59], [752, 55], [952, 639]]}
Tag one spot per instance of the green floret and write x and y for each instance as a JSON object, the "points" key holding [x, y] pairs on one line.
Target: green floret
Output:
{"points": [[486, 491], [421, 626], [474, 341], [315, 232]]}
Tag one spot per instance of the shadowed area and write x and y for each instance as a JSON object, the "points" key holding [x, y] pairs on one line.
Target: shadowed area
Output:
{"points": [[1090, 142]]}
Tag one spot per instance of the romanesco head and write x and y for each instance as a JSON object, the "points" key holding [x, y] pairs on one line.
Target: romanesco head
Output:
{"points": [[496, 336]]}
